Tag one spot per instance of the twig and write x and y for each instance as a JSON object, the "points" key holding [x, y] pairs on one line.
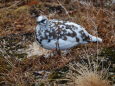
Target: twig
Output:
{"points": [[64, 8]]}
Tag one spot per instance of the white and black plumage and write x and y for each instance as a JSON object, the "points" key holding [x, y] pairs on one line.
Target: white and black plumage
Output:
{"points": [[63, 35]]}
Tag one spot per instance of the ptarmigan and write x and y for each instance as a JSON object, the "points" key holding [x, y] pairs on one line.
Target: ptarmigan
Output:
{"points": [[59, 34]]}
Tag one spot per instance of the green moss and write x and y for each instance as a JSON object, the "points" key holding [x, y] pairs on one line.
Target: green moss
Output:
{"points": [[55, 75], [108, 53], [64, 69], [21, 9], [63, 81], [59, 75], [42, 84]]}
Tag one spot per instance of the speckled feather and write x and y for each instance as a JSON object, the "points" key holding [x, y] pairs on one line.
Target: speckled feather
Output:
{"points": [[52, 34]]}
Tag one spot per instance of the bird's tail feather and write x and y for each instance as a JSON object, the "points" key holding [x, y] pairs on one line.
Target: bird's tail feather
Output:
{"points": [[95, 39]]}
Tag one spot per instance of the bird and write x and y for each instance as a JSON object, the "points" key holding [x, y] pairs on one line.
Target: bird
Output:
{"points": [[61, 35]]}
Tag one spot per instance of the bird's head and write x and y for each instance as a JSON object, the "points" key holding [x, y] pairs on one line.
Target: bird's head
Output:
{"points": [[42, 20]]}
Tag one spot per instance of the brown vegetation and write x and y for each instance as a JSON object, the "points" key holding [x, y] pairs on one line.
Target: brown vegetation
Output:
{"points": [[15, 19]]}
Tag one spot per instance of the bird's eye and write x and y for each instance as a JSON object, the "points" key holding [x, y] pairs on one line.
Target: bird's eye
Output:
{"points": [[42, 21]]}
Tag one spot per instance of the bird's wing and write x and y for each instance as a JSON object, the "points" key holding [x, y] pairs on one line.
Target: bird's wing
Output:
{"points": [[62, 29]]}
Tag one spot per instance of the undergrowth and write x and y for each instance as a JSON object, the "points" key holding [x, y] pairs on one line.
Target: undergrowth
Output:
{"points": [[85, 65]]}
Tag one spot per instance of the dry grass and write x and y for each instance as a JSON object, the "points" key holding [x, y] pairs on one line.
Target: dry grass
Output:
{"points": [[91, 79], [15, 19], [84, 75]]}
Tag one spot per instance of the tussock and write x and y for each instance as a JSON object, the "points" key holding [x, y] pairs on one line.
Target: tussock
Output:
{"points": [[15, 19], [91, 79], [84, 75]]}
